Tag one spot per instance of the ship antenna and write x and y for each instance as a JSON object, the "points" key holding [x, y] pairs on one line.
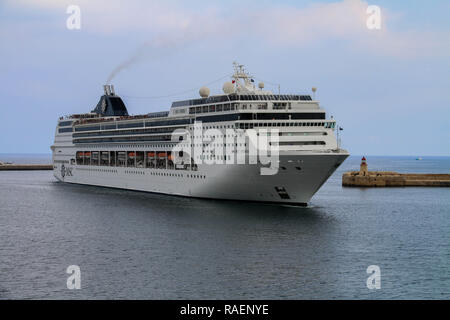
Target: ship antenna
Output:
{"points": [[240, 73]]}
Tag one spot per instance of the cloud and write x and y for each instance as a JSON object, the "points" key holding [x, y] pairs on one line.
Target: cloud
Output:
{"points": [[274, 25]]}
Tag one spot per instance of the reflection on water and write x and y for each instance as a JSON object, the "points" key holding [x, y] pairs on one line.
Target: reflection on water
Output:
{"points": [[141, 245]]}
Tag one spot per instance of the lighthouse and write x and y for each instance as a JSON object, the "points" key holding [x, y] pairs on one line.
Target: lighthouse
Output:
{"points": [[363, 167]]}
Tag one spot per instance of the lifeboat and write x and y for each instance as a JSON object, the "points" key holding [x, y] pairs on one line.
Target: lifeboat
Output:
{"points": [[170, 157], [132, 154], [151, 154], [87, 154], [162, 155]]}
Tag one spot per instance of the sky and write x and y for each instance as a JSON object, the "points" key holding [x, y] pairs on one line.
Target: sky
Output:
{"points": [[388, 88]]}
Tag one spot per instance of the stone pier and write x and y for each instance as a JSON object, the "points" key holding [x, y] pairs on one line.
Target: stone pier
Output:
{"points": [[365, 178]]}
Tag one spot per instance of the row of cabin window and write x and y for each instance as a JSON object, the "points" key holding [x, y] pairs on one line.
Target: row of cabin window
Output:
{"points": [[124, 139], [165, 174], [235, 97], [327, 125], [65, 123], [132, 146], [134, 125], [63, 130], [123, 132], [214, 108], [234, 106], [132, 159]]}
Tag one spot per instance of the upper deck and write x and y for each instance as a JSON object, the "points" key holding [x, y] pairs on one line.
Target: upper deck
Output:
{"points": [[241, 102], [240, 97]]}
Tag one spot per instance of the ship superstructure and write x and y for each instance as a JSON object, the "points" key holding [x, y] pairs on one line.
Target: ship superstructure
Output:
{"points": [[208, 147]]}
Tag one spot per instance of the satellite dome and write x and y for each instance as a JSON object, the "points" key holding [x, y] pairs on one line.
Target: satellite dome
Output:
{"points": [[228, 88], [261, 85], [204, 92]]}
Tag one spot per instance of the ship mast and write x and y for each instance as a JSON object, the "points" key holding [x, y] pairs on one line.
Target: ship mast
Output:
{"points": [[246, 86]]}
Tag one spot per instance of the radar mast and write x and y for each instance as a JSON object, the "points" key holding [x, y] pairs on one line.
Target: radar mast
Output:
{"points": [[246, 86]]}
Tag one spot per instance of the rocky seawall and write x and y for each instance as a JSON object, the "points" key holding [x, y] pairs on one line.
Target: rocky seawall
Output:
{"points": [[394, 179]]}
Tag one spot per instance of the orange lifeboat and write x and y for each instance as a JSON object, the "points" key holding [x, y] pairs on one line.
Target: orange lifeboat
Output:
{"points": [[131, 154], [170, 157], [162, 155], [151, 154], [87, 154]]}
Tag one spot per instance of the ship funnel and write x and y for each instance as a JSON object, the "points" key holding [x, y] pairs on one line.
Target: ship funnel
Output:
{"points": [[110, 104], [109, 89]]}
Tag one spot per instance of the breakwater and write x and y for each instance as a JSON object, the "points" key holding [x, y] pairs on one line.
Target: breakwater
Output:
{"points": [[26, 167], [394, 179]]}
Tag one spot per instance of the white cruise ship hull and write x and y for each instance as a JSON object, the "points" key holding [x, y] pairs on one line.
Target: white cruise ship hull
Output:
{"points": [[297, 180]]}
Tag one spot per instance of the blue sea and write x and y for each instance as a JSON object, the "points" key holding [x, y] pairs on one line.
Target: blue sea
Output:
{"points": [[135, 245]]}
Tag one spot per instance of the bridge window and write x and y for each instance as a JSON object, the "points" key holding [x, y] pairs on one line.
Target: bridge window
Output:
{"points": [[63, 130], [65, 123]]}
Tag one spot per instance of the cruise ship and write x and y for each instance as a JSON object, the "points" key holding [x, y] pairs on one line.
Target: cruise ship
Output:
{"points": [[246, 143]]}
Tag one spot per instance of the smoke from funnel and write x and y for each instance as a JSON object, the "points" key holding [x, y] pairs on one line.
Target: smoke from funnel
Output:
{"points": [[159, 47], [137, 56]]}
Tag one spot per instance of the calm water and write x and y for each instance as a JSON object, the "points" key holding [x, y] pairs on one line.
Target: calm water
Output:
{"points": [[138, 245]]}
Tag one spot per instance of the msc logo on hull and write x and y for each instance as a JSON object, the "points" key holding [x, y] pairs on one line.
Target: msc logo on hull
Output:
{"points": [[66, 171]]}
